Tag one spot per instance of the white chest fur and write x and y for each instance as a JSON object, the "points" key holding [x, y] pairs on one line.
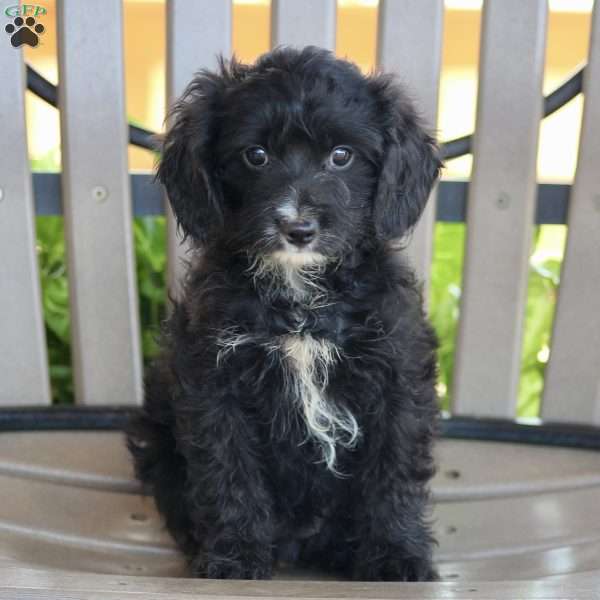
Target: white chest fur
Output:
{"points": [[308, 363]]}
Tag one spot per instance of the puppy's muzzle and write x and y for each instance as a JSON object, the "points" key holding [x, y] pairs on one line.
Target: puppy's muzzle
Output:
{"points": [[299, 232]]}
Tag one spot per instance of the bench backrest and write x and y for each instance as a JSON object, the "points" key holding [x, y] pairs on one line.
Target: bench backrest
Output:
{"points": [[500, 215]]}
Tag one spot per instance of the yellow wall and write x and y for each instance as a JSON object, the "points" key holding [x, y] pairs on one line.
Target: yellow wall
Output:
{"points": [[144, 23]]}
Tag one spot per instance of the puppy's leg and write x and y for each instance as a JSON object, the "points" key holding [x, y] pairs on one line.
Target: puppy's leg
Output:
{"points": [[230, 506], [329, 549], [161, 470], [394, 538], [158, 465]]}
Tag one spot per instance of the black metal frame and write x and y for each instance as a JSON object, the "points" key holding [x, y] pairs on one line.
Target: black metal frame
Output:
{"points": [[148, 199], [115, 418], [138, 136]]}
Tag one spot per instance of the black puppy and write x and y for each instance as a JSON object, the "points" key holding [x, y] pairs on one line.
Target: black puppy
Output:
{"points": [[292, 411]]}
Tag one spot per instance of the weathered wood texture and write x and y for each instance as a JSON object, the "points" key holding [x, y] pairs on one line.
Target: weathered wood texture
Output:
{"points": [[40, 585], [106, 349], [500, 208], [23, 361], [464, 471], [572, 384], [541, 500], [303, 23]]}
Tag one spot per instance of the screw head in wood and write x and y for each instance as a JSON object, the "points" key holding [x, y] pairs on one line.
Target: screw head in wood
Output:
{"points": [[503, 201], [99, 193]]}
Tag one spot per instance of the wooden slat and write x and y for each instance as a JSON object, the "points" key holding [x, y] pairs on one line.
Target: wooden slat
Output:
{"points": [[97, 203], [23, 361], [410, 36], [572, 384], [470, 470], [100, 460], [516, 525], [560, 562], [40, 585], [96, 459], [303, 23], [62, 514], [197, 32], [160, 572], [23, 548], [500, 208]]}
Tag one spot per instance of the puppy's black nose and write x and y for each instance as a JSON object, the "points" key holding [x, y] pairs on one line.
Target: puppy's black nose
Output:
{"points": [[299, 232]]}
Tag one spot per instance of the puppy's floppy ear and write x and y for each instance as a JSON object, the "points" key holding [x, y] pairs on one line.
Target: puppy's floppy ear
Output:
{"points": [[411, 162], [186, 166]]}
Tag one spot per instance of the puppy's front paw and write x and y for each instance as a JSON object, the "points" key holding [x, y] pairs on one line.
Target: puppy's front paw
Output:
{"points": [[392, 568], [251, 563]]}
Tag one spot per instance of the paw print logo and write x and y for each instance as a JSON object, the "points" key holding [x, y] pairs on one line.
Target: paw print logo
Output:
{"points": [[24, 32]]}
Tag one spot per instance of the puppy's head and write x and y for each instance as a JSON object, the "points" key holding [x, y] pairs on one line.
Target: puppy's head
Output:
{"points": [[298, 158]]}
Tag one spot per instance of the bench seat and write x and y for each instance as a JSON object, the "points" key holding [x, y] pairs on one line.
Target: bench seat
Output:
{"points": [[503, 512]]}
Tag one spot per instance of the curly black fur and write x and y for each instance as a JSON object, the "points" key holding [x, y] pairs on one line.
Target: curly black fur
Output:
{"points": [[292, 411]]}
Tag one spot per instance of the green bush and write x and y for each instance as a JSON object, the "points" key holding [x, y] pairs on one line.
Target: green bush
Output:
{"points": [[150, 242], [444, 303], [55, 302], [544, 277]]}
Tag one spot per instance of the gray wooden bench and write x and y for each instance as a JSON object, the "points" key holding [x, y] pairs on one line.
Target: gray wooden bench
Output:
{"points": [[517, 506]]}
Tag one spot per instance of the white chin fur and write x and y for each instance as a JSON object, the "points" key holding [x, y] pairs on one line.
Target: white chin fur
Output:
{"points": [[298, 258], [293, 271]]}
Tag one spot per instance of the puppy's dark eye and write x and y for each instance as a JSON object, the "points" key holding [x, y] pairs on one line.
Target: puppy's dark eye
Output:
{"points": [[256, 156], [340, 157]]}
